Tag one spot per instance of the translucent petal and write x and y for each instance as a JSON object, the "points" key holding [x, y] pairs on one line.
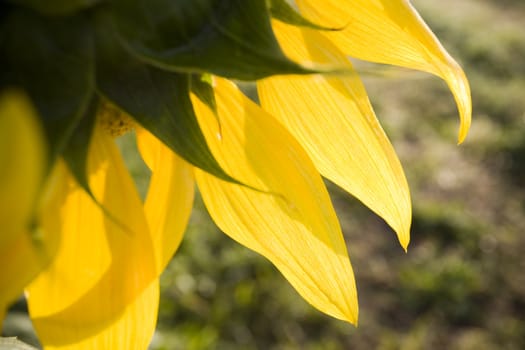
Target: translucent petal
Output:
{"points": [[101, 288], [170, 196], [290, 220], [133, 328], [24, 249], [338, 128], [392, 32]]}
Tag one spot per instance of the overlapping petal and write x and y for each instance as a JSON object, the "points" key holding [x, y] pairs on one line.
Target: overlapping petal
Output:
{"points": [[392, 32], [25, 249], [333, 120], [100, 291], [291, 220], [170, 195]]}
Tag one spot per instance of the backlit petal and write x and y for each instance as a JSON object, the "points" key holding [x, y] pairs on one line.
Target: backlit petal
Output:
{"points": [[101, 289], [292, 223], [392, 32], [24, 250], [338, 128], [170, 195]]}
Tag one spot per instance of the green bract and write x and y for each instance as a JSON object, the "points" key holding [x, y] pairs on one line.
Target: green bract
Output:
{"points": [[144, 56]]}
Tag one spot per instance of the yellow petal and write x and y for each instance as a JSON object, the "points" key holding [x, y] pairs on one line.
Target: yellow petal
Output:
{"points": [[338, 128], [170, 196], [293, 223], [132, 330], [22, 163], [32, 250], [100, 291], [392, 32], [24, 250]]}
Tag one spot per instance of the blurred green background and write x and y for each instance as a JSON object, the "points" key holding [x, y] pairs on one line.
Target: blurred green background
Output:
{"points": [[462, 283]]}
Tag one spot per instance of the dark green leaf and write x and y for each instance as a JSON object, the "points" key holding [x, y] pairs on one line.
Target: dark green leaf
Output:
{"points": [[231, 38], [281, 10], [201, 86], [56, 7], [52, 60], [156, 99], [76, 156], [76, 152]]}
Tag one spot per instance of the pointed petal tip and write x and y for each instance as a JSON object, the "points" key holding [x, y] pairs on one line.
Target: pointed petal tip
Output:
{"points": [[404, 245], [346, 314], [464, 127], [402, 228], [353, 319], [404, 239], [345, 308], [459, 85]]}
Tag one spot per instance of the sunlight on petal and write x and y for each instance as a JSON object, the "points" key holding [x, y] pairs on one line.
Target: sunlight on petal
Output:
{"points": [[170, 196], [103, 279], [292, 223], [392, 32], [132, 330], [338, 128]]}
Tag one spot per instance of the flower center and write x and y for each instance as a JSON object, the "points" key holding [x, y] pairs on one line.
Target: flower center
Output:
{"points": [[114, 121]]}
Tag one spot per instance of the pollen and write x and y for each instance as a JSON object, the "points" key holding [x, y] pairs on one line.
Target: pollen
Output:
{"points": [[113, 120]]}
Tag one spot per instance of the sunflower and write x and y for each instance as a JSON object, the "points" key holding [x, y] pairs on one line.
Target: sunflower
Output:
{"points": [[75, 233]]}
